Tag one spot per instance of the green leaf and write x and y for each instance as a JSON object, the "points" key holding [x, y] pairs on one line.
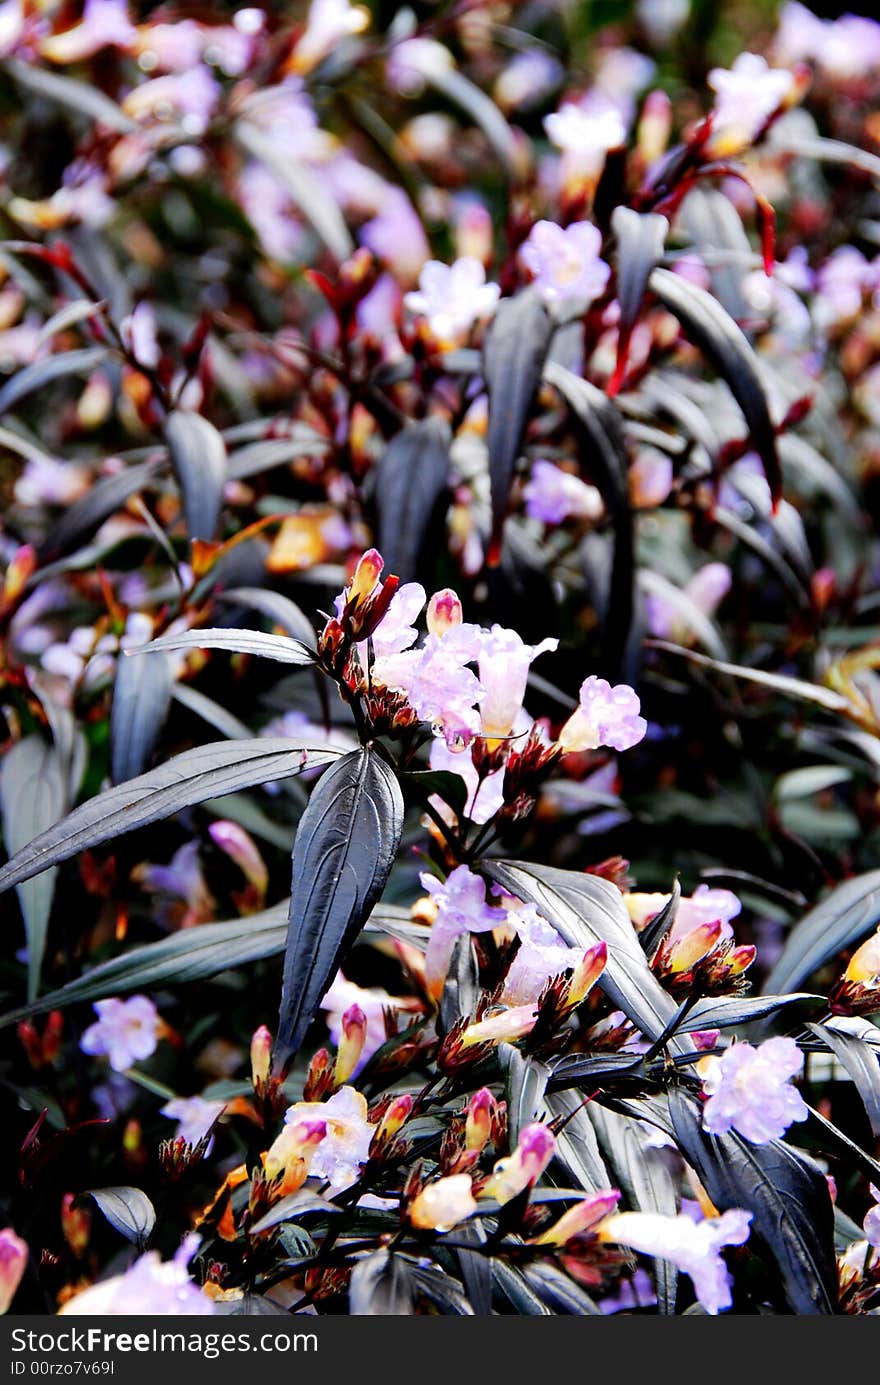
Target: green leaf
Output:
{"points": [[198, 459], [128, 1210], [33, 795], [344, 849], [187, 779], [844, 917], [585, 909], [279, 609], [786, 1193], [723, 1012], [718, 336]]}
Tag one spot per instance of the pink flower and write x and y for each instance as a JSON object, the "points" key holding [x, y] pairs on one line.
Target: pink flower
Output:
{"points": [[706, 905], [194, 1115], [749, 1090], [586, 132], [190, 97], [345, 1148], [606, 716], [746, 96], [373, 1002], [483, 797], [396, 237], [105, 24], [694, 1247], [329, 23], [522, 1168], [503, 665], [542, 955], [452, 298], [461, 906], [706, 590], [650, 478], [150, 1287], [396, 631], [841, 284], [13, 1261], [185, 899], [566, 264], [554, 495], [438, 684], [871, 1224], [126, 1031]]}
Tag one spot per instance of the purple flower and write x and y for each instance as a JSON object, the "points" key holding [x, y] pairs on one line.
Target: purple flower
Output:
{"points": [[194, 1115], [650, 478], [750, 1091], [151, 1286], [553, 495], [461, 907], [396, 630], [438, 684], [504, 662], [746, 95], [373, 1002], [396, 237], [105, 24], [484, 797], [694, 1247], [606, 716], [452, 298], [527, 79], [566, 264], [190, 97], [329, 23], [181, 880], [13, 1261], [841, 284], [345, 1148], [126, 1031], [668, 620], [542, 955], [871, 1224]]}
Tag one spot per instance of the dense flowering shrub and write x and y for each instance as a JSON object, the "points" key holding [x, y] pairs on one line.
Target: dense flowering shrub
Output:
{"points": [[441, 443]]}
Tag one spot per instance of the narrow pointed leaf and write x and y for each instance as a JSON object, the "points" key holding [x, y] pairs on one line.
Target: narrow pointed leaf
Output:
{"points": [[344, 849], [188, 779], [278, 647], [844, 917], [33, 795], [411, 477], [513, 358], [717, 335], [277, 607], [861, 1061], [723, 1012], [381, 1286], [786, 1193], [198, 459], [81, 519], [141, 698], [34, 377], [306, 189], [640, 240]]}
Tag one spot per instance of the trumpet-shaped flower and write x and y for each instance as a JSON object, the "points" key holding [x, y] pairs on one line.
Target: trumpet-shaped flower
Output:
{"points": [[396, 631], [606, 716], [553, 495], [746, 95], [452, 298], [566, 264], [346, 1147], [151, 1286], [438, 684], [328, 23], [373, 1003], [461, 906], [750, 1091], [13, 1261], [484, 797], [443, 1204], [194, 1115], [585, 133], [126, 1031], [503, 665], [694, 1247], [542, 955], [871, 1224]]}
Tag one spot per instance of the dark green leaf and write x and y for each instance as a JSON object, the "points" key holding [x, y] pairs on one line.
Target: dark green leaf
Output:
{"points": [[656, 929], [411, 477], [128, 1210], [513, 358], [82, 98], [718, 336], [786, 1193], [344, 849], [558, 1290], [599, 429], [524, 1089], [577, 1148], [461, 987], [198, 459], [723, 1012], [844, 917], [295, 1205], [190, 778], [585, 909], [141, 698], [33, 795]]}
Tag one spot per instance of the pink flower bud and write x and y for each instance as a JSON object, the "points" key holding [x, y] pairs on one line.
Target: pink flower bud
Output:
{"points": [[351, 1043], [366, 575], [587, 973], [442, 1205], [741, 958], [13, 1259], [581, 1218], [694, 946], [240, 847], [395, 1117], [524, 1166], [261, 1056], [478, 1122], [21, 565], [864, 965], [444, 612], [291, 1152]]}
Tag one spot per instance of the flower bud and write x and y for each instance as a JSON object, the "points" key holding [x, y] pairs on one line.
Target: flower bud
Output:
{"points": [[652, 135], [524, 1166], [13, 1259], [366, 576], [696, 945], [586, 974], [21, 565], [443, 1204], [444, 612], [351, 1044], [741, 958], [319, 1079], [478, 1121], [76, 1223], [396, 1115], [508, 1025], [240, 847], [864, 965], [290, 1155], [261, 1057], [581, 1218]]}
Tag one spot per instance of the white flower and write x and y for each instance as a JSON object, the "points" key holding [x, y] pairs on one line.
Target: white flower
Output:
{"points": [[452, 298], [750, 1091], [443, 1204], [373, 1002], [694, 1247], [746, 95], [194, 1115], [586, 133], [566, 263], [483, 797], [542, 955], [328, 23], [346, 1146], [503, 666], [149, 1287], [126, 1031], [606, 716]]}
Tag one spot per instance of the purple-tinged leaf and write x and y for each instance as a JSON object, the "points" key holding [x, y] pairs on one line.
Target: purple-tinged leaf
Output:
{"points": [[411, 477], [279, 647], [198, 459]]}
